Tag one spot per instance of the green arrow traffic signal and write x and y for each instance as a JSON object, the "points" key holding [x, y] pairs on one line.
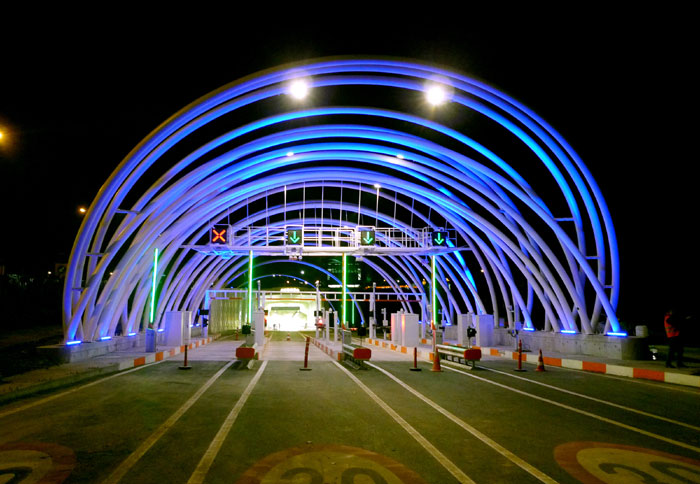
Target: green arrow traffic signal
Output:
{"points": [[439, 238], [368, 237], [294, 237]]}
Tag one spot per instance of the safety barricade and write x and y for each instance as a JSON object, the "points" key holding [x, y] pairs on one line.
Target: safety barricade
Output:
{"points": [[245, 353], [459, 354], [357, 354]]}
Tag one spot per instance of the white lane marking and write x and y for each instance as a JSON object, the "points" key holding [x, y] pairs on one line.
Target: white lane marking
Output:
{"points": [[76, 389], [129, 462], [583, 412], [533, 471], [439, 456], [208, 458], [598, 400]]}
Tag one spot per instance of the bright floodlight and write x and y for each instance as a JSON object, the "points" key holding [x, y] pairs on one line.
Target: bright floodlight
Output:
{"points": [[436, 95], [299, 89], [377, 186]]}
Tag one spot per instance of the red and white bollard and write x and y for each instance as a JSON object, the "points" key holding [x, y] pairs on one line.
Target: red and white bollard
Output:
{"points": [[306, 356], [520, 356], [185, 366], [415, 360]]}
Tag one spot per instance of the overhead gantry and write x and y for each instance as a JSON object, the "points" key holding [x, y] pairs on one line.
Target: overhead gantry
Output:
{"points": [[531, 237]]}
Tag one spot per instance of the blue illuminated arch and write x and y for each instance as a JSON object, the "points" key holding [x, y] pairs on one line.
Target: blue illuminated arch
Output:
{"points": [[520, 242]]}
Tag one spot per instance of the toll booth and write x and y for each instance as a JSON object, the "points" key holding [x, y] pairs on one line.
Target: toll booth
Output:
{"points": [[396, 328], [177, 327], [410, 332], [464, 321], [484, 329], [258, 327]]}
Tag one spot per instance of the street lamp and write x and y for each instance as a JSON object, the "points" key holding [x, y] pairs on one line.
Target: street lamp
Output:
{"points": [[299, 89], [436, 95]]}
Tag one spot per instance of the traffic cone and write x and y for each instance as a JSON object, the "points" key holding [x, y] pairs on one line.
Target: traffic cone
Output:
{"points": [[540, 363], [436, 361], [289, 338]]}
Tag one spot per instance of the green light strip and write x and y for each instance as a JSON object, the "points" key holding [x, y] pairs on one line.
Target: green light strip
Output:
{"points": [[250, 288], [434, 299], [153, 288], [345, 269], [352, 311]]}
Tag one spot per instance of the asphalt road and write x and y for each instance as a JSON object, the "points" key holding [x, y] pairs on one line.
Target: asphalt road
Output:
{"points": [[224, 422]]}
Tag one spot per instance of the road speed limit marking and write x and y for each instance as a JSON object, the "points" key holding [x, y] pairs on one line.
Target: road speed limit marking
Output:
{"points": [[328, 463], [602, 463], [35, 463]]}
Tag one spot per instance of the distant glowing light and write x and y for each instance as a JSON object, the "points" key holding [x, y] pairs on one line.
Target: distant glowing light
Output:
{"points": [[161, 330], [105, 338], [377, 186], [299, 89], [528, 329], [568, 331], [82, 209], [132, 334], [73, 342], [399, 156], [618, 334], [436, 95], [290, 153]]}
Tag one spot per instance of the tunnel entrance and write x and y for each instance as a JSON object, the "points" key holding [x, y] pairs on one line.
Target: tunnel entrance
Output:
{"points": [[443, 196]]}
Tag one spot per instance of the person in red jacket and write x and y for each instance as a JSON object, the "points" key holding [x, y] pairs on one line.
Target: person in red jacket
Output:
{"points": [[675, 343]]}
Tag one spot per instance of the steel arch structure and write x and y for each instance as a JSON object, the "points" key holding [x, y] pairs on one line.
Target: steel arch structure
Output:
{"points": [[552, 263]]}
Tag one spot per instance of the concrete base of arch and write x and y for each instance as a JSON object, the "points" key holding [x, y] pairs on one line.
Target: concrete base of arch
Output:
{"points": [[629, 348]]}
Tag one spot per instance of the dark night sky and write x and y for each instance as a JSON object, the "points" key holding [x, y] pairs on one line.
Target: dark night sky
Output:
{"points": [[75, 102]]}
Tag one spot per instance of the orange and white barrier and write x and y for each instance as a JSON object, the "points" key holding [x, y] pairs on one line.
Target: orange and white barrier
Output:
{"points": [[161, 355]]}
